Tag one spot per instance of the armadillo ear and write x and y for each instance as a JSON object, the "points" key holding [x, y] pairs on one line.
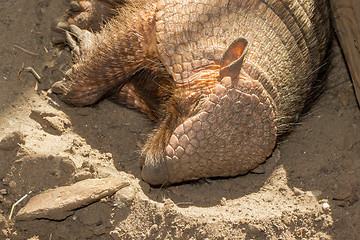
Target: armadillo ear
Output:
{"points": [[232, 60]]}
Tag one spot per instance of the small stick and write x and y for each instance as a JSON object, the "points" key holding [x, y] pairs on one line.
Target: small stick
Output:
{"points": [[184, 203], [36, 75], [24, 148], [19, 73], [27, 51], [19, 201]]}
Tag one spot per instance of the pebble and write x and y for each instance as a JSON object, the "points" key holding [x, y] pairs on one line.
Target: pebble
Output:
{"points": [[325, 206], [223, 201], [124, 197], [3, 191], [298, 191], [82, 175], [117, 234]]}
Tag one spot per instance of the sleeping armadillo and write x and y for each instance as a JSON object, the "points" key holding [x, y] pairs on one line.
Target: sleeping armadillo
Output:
{"points": [[222, 78]]}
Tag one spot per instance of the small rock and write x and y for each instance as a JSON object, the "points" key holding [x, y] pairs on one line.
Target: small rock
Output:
{"points": [[105, 171], [34, 238], [298, 191], [82, 175], [67, 165], [253, 229], [11, 141], [325, 207], [5, 232], [116, 234], [124, 197], [154, 230], [91, 216], [51, 121], [58, 123], [223, 201], [59, 203], [267, 196], [3, 191], [310, 194]]}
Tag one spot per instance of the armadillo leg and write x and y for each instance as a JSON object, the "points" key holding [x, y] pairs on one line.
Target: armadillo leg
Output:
{"points": [[112, 57], [234, 133], [131, 98], [146, 91]]}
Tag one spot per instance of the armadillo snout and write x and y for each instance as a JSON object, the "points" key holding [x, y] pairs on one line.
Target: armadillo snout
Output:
{"points": [[155, 173]]}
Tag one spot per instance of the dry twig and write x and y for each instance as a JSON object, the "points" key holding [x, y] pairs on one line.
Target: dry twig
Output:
{"points": [[19, 73], [24, 149], [19, 201], [27, 51], [36, 75]]}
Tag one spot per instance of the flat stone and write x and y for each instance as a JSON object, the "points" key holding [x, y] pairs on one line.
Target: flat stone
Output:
{"points": [[59, 203]]}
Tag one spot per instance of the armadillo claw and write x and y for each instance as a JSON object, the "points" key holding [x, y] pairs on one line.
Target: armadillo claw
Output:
{"points": [[77, 93]]}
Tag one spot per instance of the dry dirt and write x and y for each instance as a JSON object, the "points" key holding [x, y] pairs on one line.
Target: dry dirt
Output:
{"points": [[308, 189]]}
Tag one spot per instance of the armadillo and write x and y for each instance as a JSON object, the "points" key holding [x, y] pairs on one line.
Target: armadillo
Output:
{"points": [[223, 79]]}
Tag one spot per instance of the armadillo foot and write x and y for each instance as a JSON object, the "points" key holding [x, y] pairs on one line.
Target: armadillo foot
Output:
{"points": [[81, 42], [233, 134], [87, 15], [70, 92]]}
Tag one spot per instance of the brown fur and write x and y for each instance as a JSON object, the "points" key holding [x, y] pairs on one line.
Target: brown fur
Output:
{"points": [[150, 86]]}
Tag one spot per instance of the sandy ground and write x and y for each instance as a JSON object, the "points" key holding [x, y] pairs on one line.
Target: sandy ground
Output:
{"points": [[308, 189]]}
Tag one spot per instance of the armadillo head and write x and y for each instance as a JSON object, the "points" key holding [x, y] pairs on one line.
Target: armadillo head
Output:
{"points": [[232, 133]]}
